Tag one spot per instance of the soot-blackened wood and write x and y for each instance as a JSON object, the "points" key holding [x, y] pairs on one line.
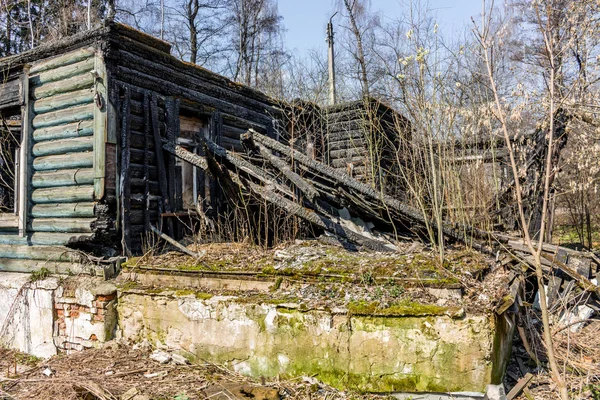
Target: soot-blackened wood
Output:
{"points": [[303, 185], [318, 219], [386, 206], [241, 165], [172, 107], [125, 182], [146, 111], [160, 161], [187, 156]]}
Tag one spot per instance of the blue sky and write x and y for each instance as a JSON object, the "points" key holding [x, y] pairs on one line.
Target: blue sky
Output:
{"points": [[305, 20]]}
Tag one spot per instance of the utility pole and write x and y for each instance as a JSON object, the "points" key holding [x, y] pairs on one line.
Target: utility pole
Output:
{"points": [[331, 61]]}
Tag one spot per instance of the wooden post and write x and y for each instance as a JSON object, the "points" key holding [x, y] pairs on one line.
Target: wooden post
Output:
{"points": [[124, 180], [26, 129], [160, 161], [146, 161]]}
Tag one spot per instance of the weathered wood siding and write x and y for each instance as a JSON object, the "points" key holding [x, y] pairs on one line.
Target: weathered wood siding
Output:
{"points": [[67, 142]]}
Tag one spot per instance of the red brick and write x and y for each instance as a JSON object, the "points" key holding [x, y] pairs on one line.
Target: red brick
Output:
{"points": [[74, 314], [106, 298]]}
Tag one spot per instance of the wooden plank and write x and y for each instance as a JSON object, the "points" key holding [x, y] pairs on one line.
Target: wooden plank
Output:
{"points": [[62, 224], [69, 194], [65, 100], [64, 161], [62, 60], [160, 161], [63, 210], [63, 177], [100, 125], [69, 115], [24, 157], [77, 129], [521, 384], [147, 160], [64, 86], [10, 92], [172, 135], [124, 179], [62, 146], [62, 73]]}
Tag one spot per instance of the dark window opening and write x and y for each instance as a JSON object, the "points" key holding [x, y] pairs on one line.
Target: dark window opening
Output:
{"points": [[10, 138]]}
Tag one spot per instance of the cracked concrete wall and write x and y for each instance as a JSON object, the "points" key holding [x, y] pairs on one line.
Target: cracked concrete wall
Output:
{"points": [[433, 353]]}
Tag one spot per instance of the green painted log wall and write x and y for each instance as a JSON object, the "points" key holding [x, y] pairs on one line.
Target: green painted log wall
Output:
{"points": [[66, 102]]}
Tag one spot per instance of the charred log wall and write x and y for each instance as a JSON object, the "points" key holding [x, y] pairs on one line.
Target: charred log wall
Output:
{"points": [[150, 91], [366, 139]]}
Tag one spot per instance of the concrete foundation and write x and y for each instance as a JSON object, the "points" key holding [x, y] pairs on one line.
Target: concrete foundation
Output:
{"points": [[426, 353]]}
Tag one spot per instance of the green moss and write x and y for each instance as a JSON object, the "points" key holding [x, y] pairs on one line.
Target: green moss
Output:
{"points": [[403, 308], [197, 294], [127, 285]]}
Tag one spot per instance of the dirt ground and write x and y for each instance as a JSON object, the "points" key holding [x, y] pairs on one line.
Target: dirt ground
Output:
{"points": [[120, 372]]}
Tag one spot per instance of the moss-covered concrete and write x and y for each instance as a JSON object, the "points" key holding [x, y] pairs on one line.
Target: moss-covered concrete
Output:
{"points": [[429, 349]]}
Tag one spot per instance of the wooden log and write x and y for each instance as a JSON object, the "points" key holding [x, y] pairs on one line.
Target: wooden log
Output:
{"points": [[128, 75], [62, 73], [62, 146], [246, 167], [304, 186], [65, 116], [69, 194], [177, 245], [137, 140], [65, 100], [46, 238], [64, 161], [63, 210], [65, 86], [62, 60], [50, 253], [231, 144], [345, 144], [77, 129], [63, 177], [55, 267], [186, 155], [349, 153], [195, 81], [138, 216], [319, 220], [62, 224], [137, 171]]}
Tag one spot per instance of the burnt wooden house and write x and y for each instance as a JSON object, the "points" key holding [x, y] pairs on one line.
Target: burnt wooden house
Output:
{"points": [[83, 124]]}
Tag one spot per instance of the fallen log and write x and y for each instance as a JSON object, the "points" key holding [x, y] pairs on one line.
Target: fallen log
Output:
{"points": [[173, 242]]}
